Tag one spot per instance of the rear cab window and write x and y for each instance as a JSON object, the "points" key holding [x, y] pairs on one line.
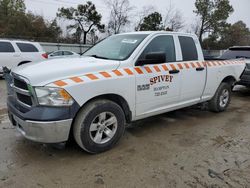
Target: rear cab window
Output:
{"points": [[188, 48], [6, 47], [26, 47]]}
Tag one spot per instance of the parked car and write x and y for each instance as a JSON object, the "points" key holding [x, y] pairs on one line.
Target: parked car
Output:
{"points": [[124, 78], [237, 52], [62, 54], [14, 53]]}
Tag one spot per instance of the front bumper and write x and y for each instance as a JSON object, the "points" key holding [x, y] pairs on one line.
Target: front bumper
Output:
{"points": [[44, 132], [42, 124], [45, 124]]}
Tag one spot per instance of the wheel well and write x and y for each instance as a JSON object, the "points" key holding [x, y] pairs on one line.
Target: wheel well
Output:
{"points": [[229, 79], [118, 100], [23, 62]]}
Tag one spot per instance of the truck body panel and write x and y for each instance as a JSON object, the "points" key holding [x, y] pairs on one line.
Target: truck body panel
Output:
{"points": [[149, 89]]}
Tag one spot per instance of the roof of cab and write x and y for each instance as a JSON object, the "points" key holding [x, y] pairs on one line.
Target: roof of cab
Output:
{"points": [[158, 32]]}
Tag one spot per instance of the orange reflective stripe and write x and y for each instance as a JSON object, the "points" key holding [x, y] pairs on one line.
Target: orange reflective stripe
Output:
{"points": [[76, 79], [219, 63], [187, 66], [60, 83], [204, 64], [193, 65], [105, 74], [138, 70], [172, 66], [165, 67], [92, 76], [208, 63], [198, 64], [118, 73], [148, 69], [214, 63], [157, 69], [180, 66], [128, 71]]}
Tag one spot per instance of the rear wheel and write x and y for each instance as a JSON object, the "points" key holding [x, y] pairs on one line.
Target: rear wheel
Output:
{"points": [[221, 99], [99, 126]]}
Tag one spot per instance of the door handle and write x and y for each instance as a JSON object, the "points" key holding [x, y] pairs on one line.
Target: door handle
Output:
{"points": [[200, 69], [174, 71]]}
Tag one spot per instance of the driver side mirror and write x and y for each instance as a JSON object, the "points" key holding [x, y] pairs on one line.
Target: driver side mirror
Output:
{"points": [[152, 58]]}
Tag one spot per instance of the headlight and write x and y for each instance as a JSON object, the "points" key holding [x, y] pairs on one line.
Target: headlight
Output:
{"points": [[49, 96]]}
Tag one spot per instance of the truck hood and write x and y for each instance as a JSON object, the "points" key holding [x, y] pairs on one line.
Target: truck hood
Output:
{"points": [[43, 73]]}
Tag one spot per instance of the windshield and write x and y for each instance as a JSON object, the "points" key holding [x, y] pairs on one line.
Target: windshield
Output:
{"points": [[117, 47]]}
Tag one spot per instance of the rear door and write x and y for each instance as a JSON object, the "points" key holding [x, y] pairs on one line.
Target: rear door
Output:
{"points": [[29, 52], [194, 71], [158, 85]]}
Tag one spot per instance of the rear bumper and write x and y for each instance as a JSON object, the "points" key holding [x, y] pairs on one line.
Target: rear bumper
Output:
{"points": [[44, 132]]}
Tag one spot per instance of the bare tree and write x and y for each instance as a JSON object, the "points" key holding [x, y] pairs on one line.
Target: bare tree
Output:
{"points": [[146, 10], [196, 26], [119, 15], [173, 20]]}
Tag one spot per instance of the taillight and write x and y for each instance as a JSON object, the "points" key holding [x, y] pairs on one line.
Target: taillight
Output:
{"points": [[45, 56]]}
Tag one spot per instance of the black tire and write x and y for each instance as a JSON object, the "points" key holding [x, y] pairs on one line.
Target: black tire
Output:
{"points": [[85, 118], [215, 103]]}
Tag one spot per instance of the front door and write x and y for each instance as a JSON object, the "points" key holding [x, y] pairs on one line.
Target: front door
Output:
{"points": [[158, 85]]}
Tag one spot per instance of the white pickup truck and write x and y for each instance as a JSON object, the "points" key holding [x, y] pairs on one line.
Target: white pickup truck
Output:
{"points": [[122, 79]]}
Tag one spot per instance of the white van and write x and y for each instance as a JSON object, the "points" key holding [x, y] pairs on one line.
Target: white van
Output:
{"points": [[14, 53]]}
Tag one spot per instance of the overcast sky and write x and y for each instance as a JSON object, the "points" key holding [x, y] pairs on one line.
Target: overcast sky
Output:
{"points": [[48, 8]]}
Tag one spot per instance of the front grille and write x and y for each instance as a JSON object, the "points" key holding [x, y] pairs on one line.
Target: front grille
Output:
{"points": [[24, 99], [22, 92], [20, 84]]}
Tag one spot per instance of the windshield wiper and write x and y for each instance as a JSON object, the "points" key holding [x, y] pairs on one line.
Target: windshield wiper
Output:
{"points": [[97, 56]]}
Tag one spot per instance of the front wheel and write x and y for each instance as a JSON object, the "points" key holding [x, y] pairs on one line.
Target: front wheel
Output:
{"points": [[221, 99], [99, 126]]}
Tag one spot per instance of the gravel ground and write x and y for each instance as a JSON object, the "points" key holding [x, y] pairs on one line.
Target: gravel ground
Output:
{"points": [[185, 148]]}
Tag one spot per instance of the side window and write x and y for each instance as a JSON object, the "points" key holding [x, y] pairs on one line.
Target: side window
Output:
{"points": [[6, 47], [188, 48], [67, 53], [162, 44], [58, 53], [25, 47]]}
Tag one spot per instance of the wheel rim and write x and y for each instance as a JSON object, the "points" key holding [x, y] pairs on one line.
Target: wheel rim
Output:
{"points": [[224, 98], [103, 128]]}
